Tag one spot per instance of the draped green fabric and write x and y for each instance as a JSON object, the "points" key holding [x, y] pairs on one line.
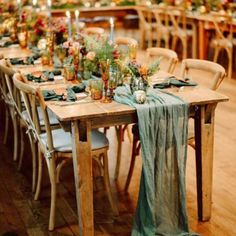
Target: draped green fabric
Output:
{"points": [[163, 129]]}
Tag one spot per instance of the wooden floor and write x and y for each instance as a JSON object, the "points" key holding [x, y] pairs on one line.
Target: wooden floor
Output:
{"points": [[21, 215]]}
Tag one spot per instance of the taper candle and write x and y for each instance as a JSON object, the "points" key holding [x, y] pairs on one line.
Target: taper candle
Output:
{"points": [[69, 23]]}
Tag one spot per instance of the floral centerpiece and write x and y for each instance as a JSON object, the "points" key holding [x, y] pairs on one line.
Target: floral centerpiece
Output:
{"points": [[58, 27], [138, 74], [37, 27]]}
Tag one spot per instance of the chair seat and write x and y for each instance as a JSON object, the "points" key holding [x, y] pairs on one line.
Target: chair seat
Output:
{"points": [[62, 140], [52, 118]]}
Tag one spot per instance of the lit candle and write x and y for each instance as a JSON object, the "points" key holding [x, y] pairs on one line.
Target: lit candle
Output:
{"points": [[111, 29], [76, 21], [19, 8], [69, 23], [34, 3], [49, 8]]}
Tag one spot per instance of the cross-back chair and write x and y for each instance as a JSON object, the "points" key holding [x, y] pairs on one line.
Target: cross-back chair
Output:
{"points": [[9, 100], [19, 119], [179, 30], [168, 58], [223, 39], [194, 69], [146, 26], [55, 146], [95, 31], [162, 26], [130, 44], [131, 49]]}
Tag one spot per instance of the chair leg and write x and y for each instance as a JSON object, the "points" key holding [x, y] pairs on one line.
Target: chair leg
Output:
{"points": [[135, 150], [52, 176], [230, 63], [59, 168], [107, 184], [216, 54], [34, 164], [173, 43], [22, 146], [40, 170], [119, 148], [7, 117], [15, 128]]}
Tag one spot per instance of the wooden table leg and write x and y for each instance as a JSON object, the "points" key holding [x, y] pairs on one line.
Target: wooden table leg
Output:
{"points": [[82, 162], [204, 137], [202, 44]]}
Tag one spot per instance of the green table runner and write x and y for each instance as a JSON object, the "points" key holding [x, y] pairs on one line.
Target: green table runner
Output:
{"points": [[163, 129]]}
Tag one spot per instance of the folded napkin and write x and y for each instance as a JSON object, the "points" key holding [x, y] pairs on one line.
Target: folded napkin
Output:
{"points": [[33, 78], [46, 76], [174, 82], [71, 96], [78, 88], [51, 95], [27, 61], [6, 44]]}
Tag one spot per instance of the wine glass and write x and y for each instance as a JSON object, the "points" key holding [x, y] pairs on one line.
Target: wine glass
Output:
{"points": [[105, 71]]}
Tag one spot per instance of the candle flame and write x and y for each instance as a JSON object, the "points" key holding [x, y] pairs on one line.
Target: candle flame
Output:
{"points": [[49, 3], [67, 14], [112, 21], [76, 13]]}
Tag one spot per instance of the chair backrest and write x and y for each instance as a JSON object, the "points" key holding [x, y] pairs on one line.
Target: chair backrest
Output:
{"points": [[200, 70], [145, 16], [168, 58], [129, 43], [7, 88], [223, 25], [177, 19], [96, 31], [31, 97], [160, 14]]}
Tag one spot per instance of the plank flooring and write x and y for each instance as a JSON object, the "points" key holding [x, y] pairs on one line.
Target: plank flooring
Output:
{"points": [[21, 215]]}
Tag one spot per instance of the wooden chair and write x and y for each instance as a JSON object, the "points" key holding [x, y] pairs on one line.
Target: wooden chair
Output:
{"points": [[168, 58], [130, 44], [95, 31], [131, 49], [194, 69], [9, 100], [179, 30], [223, 38], [167, 65], [55, 146], [214, 72], [162, 26], [146, 26]]}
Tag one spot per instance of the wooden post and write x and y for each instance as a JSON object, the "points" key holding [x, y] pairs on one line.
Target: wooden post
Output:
{"points": [[204, 137], [82, 163]]}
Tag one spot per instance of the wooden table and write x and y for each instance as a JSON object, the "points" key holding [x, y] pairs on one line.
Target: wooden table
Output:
{"points": [[204, 23], [83, 117]]}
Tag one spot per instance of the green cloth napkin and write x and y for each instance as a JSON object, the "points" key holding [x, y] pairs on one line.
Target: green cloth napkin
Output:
{"points": [[163, 130], [51, 95], [78, 88], [36, 79], [71, 96], [28, 61], [48, 74], [7, 44], [174, 82]]}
